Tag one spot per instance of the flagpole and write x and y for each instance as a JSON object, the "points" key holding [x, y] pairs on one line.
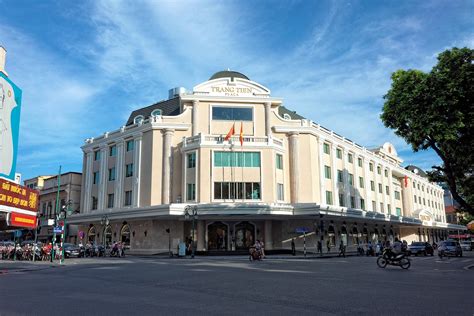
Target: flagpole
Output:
{"points": [[243, 161]]}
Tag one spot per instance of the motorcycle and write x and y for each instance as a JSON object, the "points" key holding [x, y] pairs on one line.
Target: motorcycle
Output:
{"points": [[388, 258]]}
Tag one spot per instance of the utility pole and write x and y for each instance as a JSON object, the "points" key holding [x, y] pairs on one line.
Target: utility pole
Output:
{"points": [[55, 218]]}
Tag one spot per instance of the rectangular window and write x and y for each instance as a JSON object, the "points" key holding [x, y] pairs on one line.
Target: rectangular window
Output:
{"points": [[327, 172], [379, 170], [113, 151], [372, 185], [280, 192], [341, 199], [419, 200], [359, 162], [192, 160], [424, 201], [351, 179], [129, 170], [130, 145], [110, 200], [371, 166], [237, 190], [95, 179], [112, 174], [415, 198], [279, 161], [190, 192], [328, 197], [350, 158], [374, 206], [387, 190], [228, 113], [381, 207], [96, 155], [326, 148], [128, 198], [380, 188], [352, 202], [338, 153], [389, 209], [94, 203], [340, 176], [399, 211], [397, 195], [386, 172], [362, 204], [361, 182], [236, 159]]}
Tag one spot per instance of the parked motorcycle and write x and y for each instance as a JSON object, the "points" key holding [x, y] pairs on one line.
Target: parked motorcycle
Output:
{"points": [[388, 258]]}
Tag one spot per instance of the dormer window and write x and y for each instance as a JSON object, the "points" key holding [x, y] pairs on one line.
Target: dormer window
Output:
{"points": [[138, 119], [287, 116], [156, 112]]}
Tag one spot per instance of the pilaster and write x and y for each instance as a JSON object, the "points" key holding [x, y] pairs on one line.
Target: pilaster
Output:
{"points": [[293, 145], [166, 179]]}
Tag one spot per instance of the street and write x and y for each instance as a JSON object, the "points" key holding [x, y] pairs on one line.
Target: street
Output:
{"points": [[230, 285]]}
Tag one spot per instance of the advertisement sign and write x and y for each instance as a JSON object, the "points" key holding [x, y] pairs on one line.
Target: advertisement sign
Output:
{"points": [[21, 220], [18, 197], [10, 105]]}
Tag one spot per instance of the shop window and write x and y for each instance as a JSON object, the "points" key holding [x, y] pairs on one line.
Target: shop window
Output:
{"points": [[237, 190]]}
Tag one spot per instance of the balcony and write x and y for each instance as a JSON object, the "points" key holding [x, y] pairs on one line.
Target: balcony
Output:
{"points": [[248, 141]]}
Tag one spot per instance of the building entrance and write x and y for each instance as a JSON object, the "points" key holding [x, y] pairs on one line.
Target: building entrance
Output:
{"points": [[244, 235], [217, 236]]}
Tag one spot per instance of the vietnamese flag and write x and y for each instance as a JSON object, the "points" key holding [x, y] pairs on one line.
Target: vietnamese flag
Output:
{"points": [[406, 181], [230, 133], [241, 138]]}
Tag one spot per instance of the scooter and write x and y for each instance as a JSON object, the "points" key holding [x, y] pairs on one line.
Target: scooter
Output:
{"points": [[387, 258]]}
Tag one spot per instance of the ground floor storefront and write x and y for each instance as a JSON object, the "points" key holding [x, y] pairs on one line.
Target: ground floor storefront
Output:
{"points": [[215, 230]]}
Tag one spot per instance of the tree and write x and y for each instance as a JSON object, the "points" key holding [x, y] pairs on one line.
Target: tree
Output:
{"points": [[436, 110]]}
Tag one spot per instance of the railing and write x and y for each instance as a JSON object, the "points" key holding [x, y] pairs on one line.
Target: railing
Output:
{"points": [[210, 139]]}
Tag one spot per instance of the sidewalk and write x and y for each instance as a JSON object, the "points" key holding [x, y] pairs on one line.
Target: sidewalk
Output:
{"points": [[24, 266]]}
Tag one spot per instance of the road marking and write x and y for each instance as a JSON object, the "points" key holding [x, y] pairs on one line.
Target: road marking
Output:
{"points": [[201, 270], [106, 268], [466, 260], [469, 267]]}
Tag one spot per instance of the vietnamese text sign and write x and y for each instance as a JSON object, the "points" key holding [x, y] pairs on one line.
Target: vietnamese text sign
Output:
{"points": [[18, 196], [22, 220]]}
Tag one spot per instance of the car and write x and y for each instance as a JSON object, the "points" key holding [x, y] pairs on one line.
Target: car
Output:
{"points": [[71, 250], [466, 245], [420, 248], [451, 248]]}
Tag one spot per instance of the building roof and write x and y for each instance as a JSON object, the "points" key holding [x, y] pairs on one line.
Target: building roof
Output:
{"points": [[228, 74], [294, 116], [416, 170], [169, 107]]}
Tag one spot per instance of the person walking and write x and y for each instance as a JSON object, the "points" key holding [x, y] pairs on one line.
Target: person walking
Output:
{"points": [[328, 245], [342, 249], [320, 248], [293, 248]]}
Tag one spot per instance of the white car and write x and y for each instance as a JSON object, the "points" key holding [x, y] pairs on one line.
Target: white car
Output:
{"points": [[466, 245]]}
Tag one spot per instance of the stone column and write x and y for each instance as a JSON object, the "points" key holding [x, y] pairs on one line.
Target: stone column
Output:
{"points": [[195, 119], [322, 179], [268, 235], [294, 170], [86, 206], [119, 172], [268, 125], [368, 190], [347, 187], [137, 161], [392, 192], [357, 188], [377, 193], [103, 172], [201, 235], [166, 177], [335, 183]]}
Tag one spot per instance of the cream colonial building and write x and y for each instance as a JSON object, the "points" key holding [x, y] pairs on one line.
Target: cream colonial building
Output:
{"points": [[288, 174]]}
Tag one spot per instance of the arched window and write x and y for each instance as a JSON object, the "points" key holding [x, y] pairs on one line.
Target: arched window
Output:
{"points": [[156, 112], [138, 119], [108, 235], [125, 235], [91, 234], [355, 235], [331, 236]]}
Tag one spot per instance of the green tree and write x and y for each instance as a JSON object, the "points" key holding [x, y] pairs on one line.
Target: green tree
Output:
{"points": [[436, 110]]}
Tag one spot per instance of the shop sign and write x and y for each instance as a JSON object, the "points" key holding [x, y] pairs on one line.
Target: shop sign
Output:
{"points": [[302, 230], [21, 220], [18, 196]]}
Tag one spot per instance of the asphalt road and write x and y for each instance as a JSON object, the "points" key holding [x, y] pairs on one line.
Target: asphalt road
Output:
{"points": [[151, 286]]}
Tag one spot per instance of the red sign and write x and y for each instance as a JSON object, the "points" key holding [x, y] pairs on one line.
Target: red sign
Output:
{"points": [[22, 220], [18, 196]]}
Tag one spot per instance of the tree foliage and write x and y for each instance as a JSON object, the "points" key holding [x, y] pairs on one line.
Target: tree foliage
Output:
{"points": [[436, 110]]}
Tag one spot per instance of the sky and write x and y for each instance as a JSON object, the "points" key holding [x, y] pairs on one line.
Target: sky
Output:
{"points": [[84, 66]]}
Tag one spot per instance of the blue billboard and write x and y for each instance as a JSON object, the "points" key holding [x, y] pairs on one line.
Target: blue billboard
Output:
{"points": [[10, 106]]}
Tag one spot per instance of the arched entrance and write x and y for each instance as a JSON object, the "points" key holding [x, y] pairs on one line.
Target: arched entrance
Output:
{"points": [[108, 235], [365, 235], [384, 235], [354, 235], [125, 235], [244, 235], [375, 236], [331, 236], [217, 236], [91, 234]]}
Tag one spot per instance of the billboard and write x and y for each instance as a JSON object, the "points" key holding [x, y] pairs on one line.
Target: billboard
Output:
{"points": [[10, 106], [21, 220], [17, 198]]}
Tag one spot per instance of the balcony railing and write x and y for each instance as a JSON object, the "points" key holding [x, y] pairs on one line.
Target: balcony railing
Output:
{"points": [[235, 140]]}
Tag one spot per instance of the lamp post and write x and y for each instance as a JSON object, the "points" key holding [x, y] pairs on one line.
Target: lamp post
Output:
{"points": [[38, 226], [65, 210], [191, 211], [104, 221]]}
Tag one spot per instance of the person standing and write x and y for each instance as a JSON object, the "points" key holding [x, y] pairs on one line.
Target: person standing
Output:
{"points": [[293, 248], [342, 249], [320, 248], [328, 245]]}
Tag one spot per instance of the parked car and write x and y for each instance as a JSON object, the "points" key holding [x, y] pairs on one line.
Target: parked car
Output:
{"points": [[71, 250], [420, 248], [466, 245], [451, 248]]}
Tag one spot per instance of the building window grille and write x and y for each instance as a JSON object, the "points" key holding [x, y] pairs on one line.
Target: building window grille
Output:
{"points": [[237, 190], [192, 160], [236, 159], [129, 170], [228, 113], [112, 174], [279, 161], [191, 192], [327, 172], [128, 198]]}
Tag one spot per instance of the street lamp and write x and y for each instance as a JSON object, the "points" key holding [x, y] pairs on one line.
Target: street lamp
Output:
{"points": [[104, 221], [191, 211], [65, 210]]}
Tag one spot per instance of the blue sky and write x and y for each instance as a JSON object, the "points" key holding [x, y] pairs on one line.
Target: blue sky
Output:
{"points": [[85, 65]]}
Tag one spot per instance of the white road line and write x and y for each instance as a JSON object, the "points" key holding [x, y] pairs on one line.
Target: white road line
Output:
{"points": [[469, 267], [466, 260]]}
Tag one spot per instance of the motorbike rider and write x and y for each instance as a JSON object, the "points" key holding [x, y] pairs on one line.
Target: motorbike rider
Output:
{"points": [[395, 249]]}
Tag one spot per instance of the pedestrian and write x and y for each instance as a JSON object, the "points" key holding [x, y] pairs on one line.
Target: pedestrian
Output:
{"points": [[320, 248], [378, 248], [293, 248], [328, 245], [342, 249]]}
